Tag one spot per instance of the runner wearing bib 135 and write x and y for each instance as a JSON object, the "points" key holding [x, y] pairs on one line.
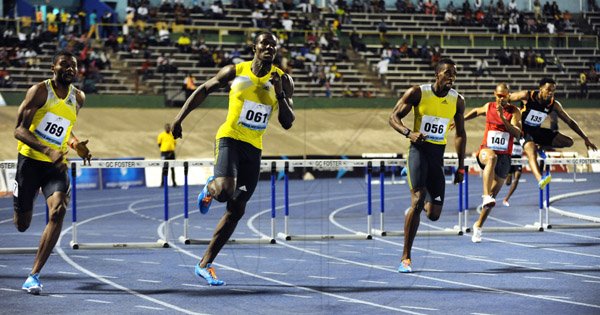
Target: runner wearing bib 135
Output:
{"points": [[539, 104]]}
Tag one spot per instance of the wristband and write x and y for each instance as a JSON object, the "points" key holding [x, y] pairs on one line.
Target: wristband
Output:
{"points": [[461, 171], [407, 133]]}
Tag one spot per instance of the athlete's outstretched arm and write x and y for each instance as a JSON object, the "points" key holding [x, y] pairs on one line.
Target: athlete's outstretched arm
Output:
{"points": [[573, 125], [479, 111], [223, 77], [284, 89], [518, 96], [460, 140], [410, 99]]}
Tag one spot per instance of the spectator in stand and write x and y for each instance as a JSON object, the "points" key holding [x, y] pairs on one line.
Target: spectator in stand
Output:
{"points": [[592, 6], [512, 6], [466, 6], [592, 75], [184, 43], [436, 56], [481, 66], [217, 11], [513, 23], [554, 9], [430, 8], [257, 18], [583, 87], [356, 42], [189, 84], [537, 10], [479, 17], [5, 79], [500, 9], [410, 7], [478, 5]]}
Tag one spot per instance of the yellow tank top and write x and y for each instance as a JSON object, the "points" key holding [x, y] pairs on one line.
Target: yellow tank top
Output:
{"points": [[433, 114], [52, 123], [252, 102]]}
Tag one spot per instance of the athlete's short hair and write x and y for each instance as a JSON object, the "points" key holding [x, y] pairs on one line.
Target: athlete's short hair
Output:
{"points": [[545, 80], [262, 33], [443, 61], [65, 53]]}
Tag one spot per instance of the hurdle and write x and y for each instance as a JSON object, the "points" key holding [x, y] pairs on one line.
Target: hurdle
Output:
{"points": [[17, 250], [161, 243], [368, 164], [595, 220], [537, 226], [185, 239], [458, 229]]}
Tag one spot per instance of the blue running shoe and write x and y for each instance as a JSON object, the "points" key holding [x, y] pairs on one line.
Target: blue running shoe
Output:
{"points": [[405, 266], [32, 284], [404, 172], [204, 197], [208, 274], [542, 154]]}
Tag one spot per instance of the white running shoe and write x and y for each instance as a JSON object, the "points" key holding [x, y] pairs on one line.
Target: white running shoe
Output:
{"points": [[488, 201], [476, 238], [505, 203]]}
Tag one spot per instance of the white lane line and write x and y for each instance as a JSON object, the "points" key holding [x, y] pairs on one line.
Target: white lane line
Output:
{"points": [[541, 278], [482, 274], [581, 266], [591, 281], [68, 260], [193, 285], [294, 259], [433, 257], [255, 257], [149, 281], [432, 270], [3, 266], [322, 277], [482, 314], [26, 268], [556, 297], [275, 273], [113, 259], [559, 263], [99, 301], [427, 286], [79, 256], [372, 281], [334, 222], [387, 254], [347, 245], [109, 277], [150, 308], [349, 251], [420, 308], [9, 290], [150, 262], [56, 295], [516, 259], [187, 266], [298, 296], [68, 273], [242, 290], [337, 263]]}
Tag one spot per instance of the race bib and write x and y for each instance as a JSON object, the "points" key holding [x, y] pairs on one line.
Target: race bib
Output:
{"points": [[497, 140], [15, 188], [434, 127], [53, 128], [535, 118], [517, 149], [255, 116]]}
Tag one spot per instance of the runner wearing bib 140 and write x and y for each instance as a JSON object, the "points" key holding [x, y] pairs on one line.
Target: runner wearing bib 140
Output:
{"points": [[539, 104], [435, 105], [502, 127]]}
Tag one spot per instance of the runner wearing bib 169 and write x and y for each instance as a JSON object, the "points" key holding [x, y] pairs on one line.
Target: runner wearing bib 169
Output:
{"points": [[435, 105], [539, 104], [502, 126]]}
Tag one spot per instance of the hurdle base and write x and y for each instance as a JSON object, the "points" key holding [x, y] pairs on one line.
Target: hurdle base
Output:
{"points": [[573, 226], [444, 232], [19, 250], [158, 244], [315, 237], [264, 240]]}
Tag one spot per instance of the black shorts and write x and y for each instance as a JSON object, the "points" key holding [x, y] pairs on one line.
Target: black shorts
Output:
{"points": [[167, 155], [541, 136], [426, 170], [31, 176], [502, 165], [239, 159], [515, 168]]}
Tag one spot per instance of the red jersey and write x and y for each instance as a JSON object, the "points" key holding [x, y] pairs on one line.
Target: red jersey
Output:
{"points": [[496, 136]]}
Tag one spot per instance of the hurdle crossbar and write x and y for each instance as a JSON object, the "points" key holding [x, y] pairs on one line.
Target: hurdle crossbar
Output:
{"points": [[185, 239], [160, 243]]}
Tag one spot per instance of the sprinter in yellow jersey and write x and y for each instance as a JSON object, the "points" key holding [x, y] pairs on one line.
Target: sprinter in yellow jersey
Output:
{"points": [[258, 89], [434, 106], [45, 119]]}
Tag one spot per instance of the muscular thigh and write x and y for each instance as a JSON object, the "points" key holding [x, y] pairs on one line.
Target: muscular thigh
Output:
{"points": [[426, 170], [28, 181]]}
